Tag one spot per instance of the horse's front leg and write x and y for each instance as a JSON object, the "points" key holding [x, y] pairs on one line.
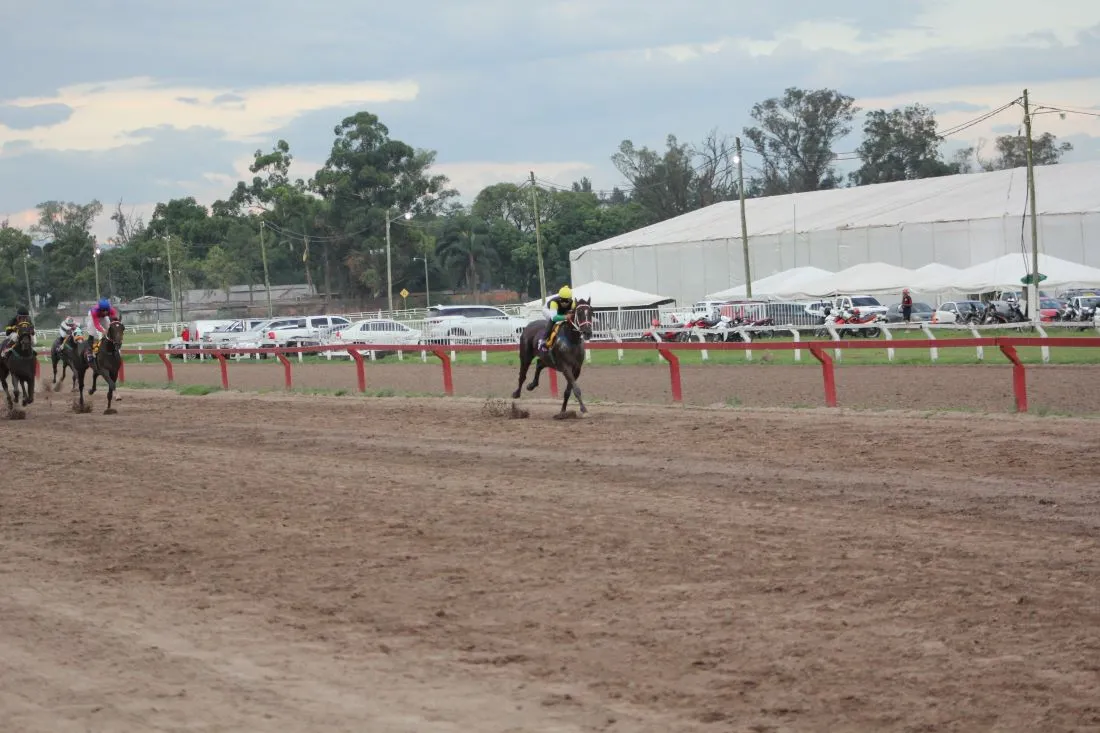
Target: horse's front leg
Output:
{"points": [[110, 380], [524, 364], [571, 377], [28, 392], [539, 366], [95, 376], [7, 394]]}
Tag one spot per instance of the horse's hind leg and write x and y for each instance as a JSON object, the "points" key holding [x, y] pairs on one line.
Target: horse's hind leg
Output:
{"points": [[28, 392], [95, 376]]}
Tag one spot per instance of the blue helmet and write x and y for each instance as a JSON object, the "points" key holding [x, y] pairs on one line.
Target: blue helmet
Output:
{"points": [[104, 303]]}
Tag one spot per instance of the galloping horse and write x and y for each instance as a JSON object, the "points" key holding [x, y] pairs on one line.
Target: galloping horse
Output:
{"points": [[566, 354], [65, 352], [19, 362], [104, 363]]}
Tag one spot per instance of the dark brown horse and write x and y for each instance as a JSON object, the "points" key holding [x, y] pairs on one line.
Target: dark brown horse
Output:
{"points": [[64, 351], [104, 363], [566, 354], [19, 363]]}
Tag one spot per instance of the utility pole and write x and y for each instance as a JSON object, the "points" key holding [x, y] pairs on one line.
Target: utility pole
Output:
{"points": [[744, 222], [1033, 294], [27, 277], [171, 286], [538, 236], [389, 266], [267, 276]]}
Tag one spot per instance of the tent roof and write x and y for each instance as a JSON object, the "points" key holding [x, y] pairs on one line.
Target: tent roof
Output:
{"points": [[1006, 271], [933, 278], [866, 278], [778, 285], [608, 295], [1065, 188]]}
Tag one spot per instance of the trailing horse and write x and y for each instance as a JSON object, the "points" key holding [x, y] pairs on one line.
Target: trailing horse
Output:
{"points": [[565, 353], [65, 352], [19, 363], [105, 362]]}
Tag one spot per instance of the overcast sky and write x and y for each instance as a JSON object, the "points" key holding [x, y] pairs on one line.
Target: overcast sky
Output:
{"points": [[146, 101]]}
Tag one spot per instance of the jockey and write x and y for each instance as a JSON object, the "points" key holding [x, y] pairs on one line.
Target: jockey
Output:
{"points": [[65, 331], [555, 309], [22, 315], [102, 309]]}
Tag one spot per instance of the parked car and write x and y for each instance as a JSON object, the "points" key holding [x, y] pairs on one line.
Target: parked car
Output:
{"points": [[292, 331], [959, 311], [921, 312], [378, 331], [861, 304], [1049, 308], [226, 336], [472, 324]]}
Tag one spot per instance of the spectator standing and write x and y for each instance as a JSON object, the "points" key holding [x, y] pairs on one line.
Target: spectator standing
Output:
{"points": [[906, 305]]}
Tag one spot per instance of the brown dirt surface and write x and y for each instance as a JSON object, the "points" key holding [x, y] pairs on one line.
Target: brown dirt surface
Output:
{"points": [[1058, 389], [288, 563]]}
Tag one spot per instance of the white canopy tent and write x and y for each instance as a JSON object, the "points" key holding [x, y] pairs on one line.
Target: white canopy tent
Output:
{"points": [[933, 278], [1006, 271], [867, 278], [607, 295], [780, 285]]}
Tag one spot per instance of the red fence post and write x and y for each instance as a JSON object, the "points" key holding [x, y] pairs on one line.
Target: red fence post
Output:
{"points": [[553, 382], [360, 372], [1019, 376], [288, 379], [168, 366], [448, 379], [827, 372], [224, 368], [673, 374]]}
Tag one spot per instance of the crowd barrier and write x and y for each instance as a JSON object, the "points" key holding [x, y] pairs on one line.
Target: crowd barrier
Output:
{"points": [[667, 350]]}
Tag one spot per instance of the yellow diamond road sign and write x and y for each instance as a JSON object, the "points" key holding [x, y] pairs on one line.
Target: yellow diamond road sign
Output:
{"points": [[404, 293]]}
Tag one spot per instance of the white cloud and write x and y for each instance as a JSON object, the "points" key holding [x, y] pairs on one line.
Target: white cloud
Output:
{"points": [[106, 115]]}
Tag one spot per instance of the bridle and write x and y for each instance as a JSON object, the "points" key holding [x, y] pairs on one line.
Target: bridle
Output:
{"points": [[580, 324], [107, 335]]}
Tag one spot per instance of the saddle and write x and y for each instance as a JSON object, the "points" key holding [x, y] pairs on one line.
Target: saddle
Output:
{"points": [[553, 335]]}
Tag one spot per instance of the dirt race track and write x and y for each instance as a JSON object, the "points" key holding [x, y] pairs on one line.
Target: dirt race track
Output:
{"points": [[300, 564]]}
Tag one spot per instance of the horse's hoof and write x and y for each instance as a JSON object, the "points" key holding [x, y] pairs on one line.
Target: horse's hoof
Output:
{"points": [[583, 409], [91, 392], [532, 386], [515, 395], [560, 416]]}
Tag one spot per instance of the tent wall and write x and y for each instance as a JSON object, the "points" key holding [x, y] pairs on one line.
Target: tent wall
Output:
{"points": [[688, 270]]}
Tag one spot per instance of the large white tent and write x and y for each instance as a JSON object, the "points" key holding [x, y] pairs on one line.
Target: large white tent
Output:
{"points": [[1005, 272], [773, 287], [609, 295], [866, 278], [958, 221]]}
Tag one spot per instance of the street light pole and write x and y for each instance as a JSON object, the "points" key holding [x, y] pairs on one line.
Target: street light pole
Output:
{"points": [[95, 257], [389, 262], [427, 290], [27, 277]]}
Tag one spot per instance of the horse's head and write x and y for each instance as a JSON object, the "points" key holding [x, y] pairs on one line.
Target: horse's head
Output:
{"points": [[25, 335], [114, 333], [582, 317]]}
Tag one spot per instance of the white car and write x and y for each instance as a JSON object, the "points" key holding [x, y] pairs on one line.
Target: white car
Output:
{"points": [[377, 331], [862, 304], [472, 324]]}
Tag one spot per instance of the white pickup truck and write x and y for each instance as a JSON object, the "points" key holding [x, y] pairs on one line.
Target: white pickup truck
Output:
{"points": [[862, 304], [291, 331]]}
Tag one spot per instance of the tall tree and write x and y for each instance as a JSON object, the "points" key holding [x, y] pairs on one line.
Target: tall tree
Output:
{"points": [[367, 178], [1010, 151], [901, 145], [795, 135], [664, 184]]}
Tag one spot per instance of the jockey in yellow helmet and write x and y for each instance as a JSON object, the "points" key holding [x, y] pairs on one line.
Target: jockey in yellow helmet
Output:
{"points": [[556, 308]]}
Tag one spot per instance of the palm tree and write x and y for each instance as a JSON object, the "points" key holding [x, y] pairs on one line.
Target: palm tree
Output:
{"points": [[465, 249]]}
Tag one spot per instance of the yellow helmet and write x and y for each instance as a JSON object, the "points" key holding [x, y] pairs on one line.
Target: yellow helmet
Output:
{"points": [[565, 293]]}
